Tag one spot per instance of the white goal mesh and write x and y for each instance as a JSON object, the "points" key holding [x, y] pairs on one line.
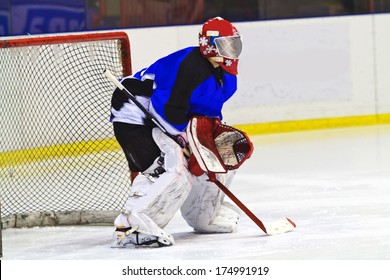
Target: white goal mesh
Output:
{"points": [[59, 161]]}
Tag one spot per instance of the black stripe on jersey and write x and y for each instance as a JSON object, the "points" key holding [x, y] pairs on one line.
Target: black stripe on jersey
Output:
{"points": [[136, 87], [193, 71]]}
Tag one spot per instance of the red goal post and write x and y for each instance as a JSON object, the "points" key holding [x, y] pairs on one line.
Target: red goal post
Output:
{"points": [[59, 161]]}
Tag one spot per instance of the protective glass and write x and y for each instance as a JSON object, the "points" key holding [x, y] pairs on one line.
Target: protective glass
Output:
{"points": [[229, 47]]}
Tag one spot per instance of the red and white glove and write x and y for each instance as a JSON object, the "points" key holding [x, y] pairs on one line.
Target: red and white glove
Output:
{"points": [[216, 147]]}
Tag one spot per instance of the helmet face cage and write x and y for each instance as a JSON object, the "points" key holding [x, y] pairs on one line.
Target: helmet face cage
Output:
{"points": [[229, 47]]}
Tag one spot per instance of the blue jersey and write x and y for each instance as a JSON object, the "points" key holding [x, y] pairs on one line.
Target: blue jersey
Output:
{"points": [[179, 86]]}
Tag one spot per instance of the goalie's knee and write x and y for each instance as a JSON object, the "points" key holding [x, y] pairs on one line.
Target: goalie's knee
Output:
{"points": [[205, 210], [225, 220]]}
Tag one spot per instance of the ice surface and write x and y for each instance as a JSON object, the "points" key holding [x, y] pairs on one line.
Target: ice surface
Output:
{"points": [[334, 184]]}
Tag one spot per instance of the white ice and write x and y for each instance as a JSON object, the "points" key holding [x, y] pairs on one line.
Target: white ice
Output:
{"points": [[334, 184]]}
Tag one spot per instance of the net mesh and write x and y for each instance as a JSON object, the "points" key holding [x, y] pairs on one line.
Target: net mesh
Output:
{"points": [[57, 148]]}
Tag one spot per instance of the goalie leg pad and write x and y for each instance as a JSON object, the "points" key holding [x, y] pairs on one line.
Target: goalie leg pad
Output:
{"points": [[225, 220], [205, 210], [160, 199], [153, 203]]}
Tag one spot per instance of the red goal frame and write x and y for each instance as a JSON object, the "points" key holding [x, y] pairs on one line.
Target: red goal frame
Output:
{"points": [[86, 37]]}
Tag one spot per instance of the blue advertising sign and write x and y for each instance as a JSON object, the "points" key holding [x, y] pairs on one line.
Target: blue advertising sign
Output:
{"points": [[4, 18], [47, 18], [68, 3], [4, 27]]}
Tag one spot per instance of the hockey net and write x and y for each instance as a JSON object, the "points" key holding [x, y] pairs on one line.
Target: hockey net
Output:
{"points": [[59, 161]]}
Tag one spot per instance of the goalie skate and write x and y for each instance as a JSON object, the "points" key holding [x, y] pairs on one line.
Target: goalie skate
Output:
{"points": [[130, 237]]}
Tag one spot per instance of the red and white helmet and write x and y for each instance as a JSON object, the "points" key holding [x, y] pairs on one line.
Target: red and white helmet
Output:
{"points": [[221, 40]]}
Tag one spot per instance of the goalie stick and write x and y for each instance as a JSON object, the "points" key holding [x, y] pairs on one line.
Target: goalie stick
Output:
{"points": [[276, 227]]}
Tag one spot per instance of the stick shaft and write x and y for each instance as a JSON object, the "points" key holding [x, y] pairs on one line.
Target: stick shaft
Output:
{"points": [[111, 77], [276, 227], [241, 205]]}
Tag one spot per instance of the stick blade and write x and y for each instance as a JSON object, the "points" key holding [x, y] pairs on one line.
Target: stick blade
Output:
{"points": [[280, 226]]}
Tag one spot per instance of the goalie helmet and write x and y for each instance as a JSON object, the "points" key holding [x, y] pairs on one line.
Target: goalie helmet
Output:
{"points": [[220, 40]]}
